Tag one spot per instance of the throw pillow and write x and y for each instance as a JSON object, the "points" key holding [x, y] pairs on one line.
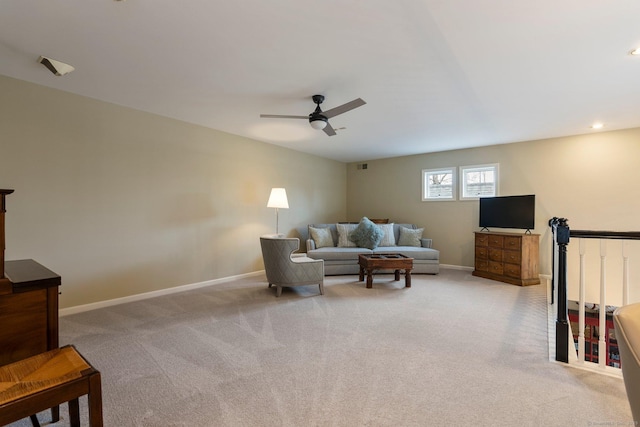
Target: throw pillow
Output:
{"points": [[322, 237], [389, 239], [367, 234], [409, 237], [343, 235]]}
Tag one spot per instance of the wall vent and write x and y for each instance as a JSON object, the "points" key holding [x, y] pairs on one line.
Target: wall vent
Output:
{"points": [[362, 166]]}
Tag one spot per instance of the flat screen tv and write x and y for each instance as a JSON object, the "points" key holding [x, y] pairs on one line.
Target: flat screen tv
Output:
{"points": [[508, 212]]}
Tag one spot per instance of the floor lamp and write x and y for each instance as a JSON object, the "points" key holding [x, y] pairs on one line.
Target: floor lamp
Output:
{"points": [[278, 200]]}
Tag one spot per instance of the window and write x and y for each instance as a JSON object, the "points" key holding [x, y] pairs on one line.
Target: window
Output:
{"points": [[478, 181], [439, 184]]}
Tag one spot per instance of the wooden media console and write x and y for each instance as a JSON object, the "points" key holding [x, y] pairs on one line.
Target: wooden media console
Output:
{"points": [[507, 257]]}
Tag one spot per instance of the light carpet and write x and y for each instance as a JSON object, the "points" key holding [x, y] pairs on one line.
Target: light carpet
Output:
{"points": [[453, 350]]}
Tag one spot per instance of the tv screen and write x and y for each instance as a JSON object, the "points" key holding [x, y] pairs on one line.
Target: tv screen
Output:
{"points": [[508, 212]]}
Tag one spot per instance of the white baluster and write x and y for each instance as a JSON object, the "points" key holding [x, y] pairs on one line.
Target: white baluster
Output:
{"points": [[625, 272], [581, 303], [602, 325]]}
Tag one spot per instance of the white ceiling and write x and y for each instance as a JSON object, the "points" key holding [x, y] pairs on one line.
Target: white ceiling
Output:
{"points": [[436, 74]]}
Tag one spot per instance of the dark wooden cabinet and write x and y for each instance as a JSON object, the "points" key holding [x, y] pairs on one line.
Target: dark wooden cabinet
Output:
{"points": [[28, 310], [507, 257]]}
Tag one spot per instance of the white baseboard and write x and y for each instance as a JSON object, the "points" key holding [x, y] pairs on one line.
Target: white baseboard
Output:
{"points": [[174, 290], [152, 294], [546, 277]]}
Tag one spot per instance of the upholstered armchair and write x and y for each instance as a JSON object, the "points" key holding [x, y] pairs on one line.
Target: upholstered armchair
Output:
{"points": [[284, 268], [627, 326]]}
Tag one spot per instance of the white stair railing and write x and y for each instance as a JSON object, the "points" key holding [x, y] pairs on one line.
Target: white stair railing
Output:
{"points": [[605, 282]]}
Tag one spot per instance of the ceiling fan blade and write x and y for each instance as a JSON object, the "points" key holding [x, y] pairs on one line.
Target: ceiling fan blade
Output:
{"points": [[328, 129], [276, 116], [344, 108]]}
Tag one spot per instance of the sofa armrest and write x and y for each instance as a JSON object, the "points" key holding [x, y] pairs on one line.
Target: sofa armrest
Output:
{"points": [[311, 244], [426, 243]]}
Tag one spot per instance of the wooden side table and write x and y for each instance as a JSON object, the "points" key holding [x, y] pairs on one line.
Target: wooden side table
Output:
{"points": [[49, 379]]}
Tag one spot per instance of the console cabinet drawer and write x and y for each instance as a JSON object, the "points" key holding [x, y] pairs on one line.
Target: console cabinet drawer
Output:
{"points": [[495, 254], [482, 252], [512, 243], [482, 265], [512, 270], [482, 240], [496, 241], [513, 257], [507, 257], [496, 267]]}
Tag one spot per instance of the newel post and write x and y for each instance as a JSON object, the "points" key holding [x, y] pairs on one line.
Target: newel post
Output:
{"points": [[562, 324]]}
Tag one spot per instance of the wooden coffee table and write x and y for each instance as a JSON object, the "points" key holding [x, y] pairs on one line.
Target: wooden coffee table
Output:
{"points": [[369, 263]]}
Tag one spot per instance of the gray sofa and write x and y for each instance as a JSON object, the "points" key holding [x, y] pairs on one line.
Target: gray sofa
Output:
{"points": [[344, 260]]}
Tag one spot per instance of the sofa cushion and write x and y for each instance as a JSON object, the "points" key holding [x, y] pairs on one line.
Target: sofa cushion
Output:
{"points": [[389, 239], [397, 227], [417, 253], [322, 237], [338, 254], [367, 234], [409, 237], [343, 235]]}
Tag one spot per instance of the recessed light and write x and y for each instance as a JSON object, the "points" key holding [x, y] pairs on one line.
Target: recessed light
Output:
{"points": [[635, 51], [597, 126]]}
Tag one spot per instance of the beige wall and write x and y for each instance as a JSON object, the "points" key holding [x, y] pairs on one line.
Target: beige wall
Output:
{"points": [[590, 179], [120, 202]]}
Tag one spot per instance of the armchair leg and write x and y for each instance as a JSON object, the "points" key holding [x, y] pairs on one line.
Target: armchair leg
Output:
{"points": [[321, 288]]}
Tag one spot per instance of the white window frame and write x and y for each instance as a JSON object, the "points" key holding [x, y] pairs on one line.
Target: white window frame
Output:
{"points": [[427, 173], [464, 170]]}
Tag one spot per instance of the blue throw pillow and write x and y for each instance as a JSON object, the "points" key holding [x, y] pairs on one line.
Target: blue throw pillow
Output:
{"points": [[367, 234]]}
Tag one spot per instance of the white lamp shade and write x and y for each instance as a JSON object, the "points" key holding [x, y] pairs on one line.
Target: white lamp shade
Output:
{"points": [[278, 199]]}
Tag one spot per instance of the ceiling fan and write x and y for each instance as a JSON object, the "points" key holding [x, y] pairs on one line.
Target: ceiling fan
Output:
{"points": [[320, 119]]}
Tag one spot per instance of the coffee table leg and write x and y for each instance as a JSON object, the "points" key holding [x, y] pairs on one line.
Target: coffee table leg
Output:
{"points": [[397, 274], [361, 274], [407, 278], [370, 279]]}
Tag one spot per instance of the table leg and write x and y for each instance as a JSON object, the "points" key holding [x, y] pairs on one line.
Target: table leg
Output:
{"points": [[370, 279], [407, 278], [397, 275], [55, 412], [95, 400], [74, 413], [361, 274]]}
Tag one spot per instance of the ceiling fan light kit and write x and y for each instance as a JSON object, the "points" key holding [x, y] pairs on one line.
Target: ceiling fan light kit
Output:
{"points": [[318, 119], [318, 122]]}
